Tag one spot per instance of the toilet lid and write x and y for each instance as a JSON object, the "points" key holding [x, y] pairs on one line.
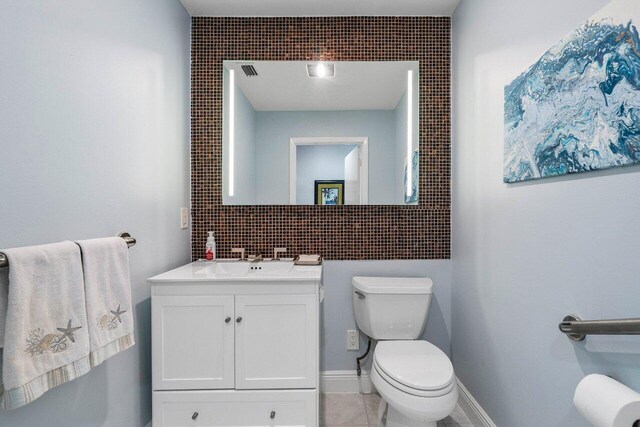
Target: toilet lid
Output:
{"points": [[416, 364]]}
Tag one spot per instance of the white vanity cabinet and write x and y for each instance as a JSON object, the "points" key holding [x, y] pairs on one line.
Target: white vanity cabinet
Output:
{"points": [[241, 351], [192, 342], [276, 342]]}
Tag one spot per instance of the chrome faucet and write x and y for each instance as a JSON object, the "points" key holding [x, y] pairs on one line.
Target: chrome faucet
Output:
{"points": [[277, 251], [254, 258], [240, 251]]}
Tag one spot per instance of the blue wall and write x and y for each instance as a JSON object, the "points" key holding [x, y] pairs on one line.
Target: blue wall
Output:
{"points": [[94, 139], [273, 130], [526, 255]]}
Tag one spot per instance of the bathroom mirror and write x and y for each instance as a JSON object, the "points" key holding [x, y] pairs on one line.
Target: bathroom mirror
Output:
{"points": [[320, 133]]}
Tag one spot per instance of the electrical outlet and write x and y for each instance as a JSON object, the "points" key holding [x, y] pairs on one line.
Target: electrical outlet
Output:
{"points": [[353, 340], [184, 218]]}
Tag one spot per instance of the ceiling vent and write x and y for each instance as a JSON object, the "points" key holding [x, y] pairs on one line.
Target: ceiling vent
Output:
{"points": [[249, 70]]}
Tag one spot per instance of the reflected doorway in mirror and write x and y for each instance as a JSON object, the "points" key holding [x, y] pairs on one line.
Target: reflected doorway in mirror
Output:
{"points": [[351, 168]]}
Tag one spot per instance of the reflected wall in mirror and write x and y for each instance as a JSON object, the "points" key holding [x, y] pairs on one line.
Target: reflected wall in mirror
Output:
{"points": [[288, 124]]}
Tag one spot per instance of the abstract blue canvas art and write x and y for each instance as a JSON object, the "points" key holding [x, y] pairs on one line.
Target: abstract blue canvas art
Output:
{"points": [[578, 108]]}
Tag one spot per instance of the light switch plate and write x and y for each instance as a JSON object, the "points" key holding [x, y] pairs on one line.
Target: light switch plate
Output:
{"points": [[184, 218]]}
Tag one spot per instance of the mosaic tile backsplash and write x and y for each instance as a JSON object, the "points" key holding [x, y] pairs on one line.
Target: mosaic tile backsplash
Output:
{"points": [[336, 232]]}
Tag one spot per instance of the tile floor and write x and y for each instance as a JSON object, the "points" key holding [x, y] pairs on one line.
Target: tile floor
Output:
{"points": [[361, 410]]}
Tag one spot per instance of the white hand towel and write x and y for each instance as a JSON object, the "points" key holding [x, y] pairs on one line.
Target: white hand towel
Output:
{"points": [[105, 264], [46, 341], [4, 300]]}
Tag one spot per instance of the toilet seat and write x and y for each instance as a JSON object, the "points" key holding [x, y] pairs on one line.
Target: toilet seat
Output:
{"points": [[418, 368]]}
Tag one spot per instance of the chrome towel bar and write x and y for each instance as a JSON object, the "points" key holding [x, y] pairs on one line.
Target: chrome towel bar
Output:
{"points": [[4, 262], [577, 329]]}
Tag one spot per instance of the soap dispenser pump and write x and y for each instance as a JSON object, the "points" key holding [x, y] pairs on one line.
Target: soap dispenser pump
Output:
{"points": [[210, 253]]}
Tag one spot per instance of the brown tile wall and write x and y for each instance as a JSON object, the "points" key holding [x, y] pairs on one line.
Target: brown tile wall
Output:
{"points": [[343, 232]]}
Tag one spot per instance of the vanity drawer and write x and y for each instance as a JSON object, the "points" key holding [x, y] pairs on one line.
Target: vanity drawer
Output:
{"points": [[235, 408]]}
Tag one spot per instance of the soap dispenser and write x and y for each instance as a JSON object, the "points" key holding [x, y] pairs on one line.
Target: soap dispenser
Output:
{"points": [[210, 253]]}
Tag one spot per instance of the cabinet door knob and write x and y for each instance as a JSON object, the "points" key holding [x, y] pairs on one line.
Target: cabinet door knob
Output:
{"points": [[194, 416], [273, 414], [239, 319], [227, 320]]}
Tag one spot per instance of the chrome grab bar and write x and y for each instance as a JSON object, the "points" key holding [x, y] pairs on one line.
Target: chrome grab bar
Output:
{"points": [[4, 262], [577, 329]]}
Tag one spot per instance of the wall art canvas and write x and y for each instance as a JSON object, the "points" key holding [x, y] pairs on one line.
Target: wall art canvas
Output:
{"points": [[578, 108]]}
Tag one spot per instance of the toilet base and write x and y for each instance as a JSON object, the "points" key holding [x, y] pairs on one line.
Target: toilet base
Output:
{"points": [[389, 417]]}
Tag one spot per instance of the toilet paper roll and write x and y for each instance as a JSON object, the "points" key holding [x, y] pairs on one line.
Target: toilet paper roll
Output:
{"points": [[605, 402]]}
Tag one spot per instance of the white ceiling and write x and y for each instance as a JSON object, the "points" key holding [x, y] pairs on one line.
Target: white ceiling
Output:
{"points": [[284, 85], [320, 7]]}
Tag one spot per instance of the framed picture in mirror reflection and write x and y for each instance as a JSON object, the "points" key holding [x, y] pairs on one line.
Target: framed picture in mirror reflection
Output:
{"points": [[329, 192]]}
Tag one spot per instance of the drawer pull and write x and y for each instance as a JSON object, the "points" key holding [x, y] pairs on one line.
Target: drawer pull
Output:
{"points": [[227, 320], [239, 319], [273, 414], [194, 416]]}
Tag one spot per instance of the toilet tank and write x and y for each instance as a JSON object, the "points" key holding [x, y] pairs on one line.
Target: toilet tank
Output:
{"points": [[391, 308]]}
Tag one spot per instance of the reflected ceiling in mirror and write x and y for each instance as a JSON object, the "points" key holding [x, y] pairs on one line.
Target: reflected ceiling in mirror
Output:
{"points": [[328, 133]]}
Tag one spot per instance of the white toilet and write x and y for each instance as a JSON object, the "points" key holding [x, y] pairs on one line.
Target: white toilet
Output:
{"points": [[414, 377]]}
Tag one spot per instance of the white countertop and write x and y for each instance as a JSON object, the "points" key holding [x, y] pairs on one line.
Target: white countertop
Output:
{"points": [[206, 271]]}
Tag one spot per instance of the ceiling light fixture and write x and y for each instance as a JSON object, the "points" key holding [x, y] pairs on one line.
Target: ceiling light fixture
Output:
{"points": [[321, 70]]}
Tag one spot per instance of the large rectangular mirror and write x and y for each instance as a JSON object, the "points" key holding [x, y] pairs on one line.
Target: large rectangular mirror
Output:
{"points": [[325, 133]]}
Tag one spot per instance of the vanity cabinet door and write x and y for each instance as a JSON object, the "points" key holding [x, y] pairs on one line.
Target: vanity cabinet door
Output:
{"points": [[193, 342], [276, 341]]}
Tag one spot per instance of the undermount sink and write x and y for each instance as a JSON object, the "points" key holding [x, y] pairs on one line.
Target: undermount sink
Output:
{"points": [[271, 267], [245, 268], [231, 268]]}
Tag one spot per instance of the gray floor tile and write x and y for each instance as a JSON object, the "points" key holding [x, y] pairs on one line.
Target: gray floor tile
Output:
{"points": [[357, 410], [343, 409], [457, 418], [371, 403]]}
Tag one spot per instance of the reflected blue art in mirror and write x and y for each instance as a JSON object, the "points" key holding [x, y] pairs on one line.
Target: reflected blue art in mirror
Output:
{"points": [[411, 187]]}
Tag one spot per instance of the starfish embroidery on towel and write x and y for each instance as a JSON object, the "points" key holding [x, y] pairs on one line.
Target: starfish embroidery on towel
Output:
{"points": [[69, 330], [117, 313]]}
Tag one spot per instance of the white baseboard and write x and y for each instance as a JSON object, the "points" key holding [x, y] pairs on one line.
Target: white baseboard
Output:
{"points": [[345, 382], [472, 408]]}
